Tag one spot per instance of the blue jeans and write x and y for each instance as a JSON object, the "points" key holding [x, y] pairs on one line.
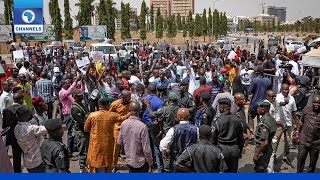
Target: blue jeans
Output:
{"points": [[159, 160], [68, 122]]}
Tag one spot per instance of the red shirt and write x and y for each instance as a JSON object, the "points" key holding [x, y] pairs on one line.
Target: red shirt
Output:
{"points": [[202, 88], [126, 83], [8, 74]]}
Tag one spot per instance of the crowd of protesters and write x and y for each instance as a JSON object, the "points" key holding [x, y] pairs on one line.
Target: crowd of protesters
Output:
{"points": [[183, 112]]}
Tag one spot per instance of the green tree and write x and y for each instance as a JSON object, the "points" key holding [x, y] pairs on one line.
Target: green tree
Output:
{"points": [[197, 26], [190, 25], [184, 27], [224, 25], [269, 26], [221, 23], [151, 18], [273, 25], [110, 19], [179, 24], [278, 26], [317, 24], [210, 22], [264, 27], [56, 20], [68, 30], [170, 33], [159, 23], [102, 12], [85, 11], [216, 23], [143, 31], [204, 24], [165, 22], [125, 23], [136, 21], [8, 8], [128, 17]]}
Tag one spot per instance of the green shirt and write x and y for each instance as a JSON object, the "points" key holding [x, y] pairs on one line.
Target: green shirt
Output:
{"points": [[266, 129], [27, 94]]}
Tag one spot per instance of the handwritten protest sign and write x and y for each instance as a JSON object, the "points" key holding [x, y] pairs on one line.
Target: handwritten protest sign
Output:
{"points": [[97, 56], [81, 63]]}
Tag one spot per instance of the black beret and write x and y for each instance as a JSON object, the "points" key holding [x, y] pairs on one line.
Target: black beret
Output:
{"points": [[205, 96], [184, 83], [53, 124], [224, 101], [162, 88], [205, 130]]}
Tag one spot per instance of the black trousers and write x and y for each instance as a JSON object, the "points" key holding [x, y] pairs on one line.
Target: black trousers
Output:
{"points": [[16, 156], [93, 105], [231, 156], [251, 115], [303, 152], [142, 169], [50, 109], [262, 164]]}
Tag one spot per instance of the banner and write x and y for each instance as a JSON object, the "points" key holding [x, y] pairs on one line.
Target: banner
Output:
{"points": [[88, 33], [5, 33], [47, 35], [28, 16]]}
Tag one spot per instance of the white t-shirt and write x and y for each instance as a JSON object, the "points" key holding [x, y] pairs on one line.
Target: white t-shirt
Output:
{"points": [[134, 80], [285, 112], [246, 76]]}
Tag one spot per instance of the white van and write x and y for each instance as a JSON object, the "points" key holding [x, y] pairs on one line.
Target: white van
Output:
{"points": [[106, 48]]}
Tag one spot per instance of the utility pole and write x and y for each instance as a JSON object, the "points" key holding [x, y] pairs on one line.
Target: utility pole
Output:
{"points": [[262, 5]]}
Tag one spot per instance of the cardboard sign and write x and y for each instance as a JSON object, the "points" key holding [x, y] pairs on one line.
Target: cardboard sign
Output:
{"points": [[232, 55], [81, 63], [18, 54], [97, 56]]}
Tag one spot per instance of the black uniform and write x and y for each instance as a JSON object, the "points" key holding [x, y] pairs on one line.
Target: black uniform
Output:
{"points": [[55, 155], [266, 129], [79, 116], [203, 157], [187, 101], [228, 135]]}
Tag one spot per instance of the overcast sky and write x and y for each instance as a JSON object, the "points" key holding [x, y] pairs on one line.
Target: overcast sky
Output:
{"points": [[295, 9]]}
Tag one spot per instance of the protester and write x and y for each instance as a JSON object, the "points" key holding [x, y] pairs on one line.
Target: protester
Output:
{"points": [[29, 138], [138, 154], [100, 124]]}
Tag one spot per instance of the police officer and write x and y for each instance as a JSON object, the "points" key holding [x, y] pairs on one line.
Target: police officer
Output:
{"points": [[53, 152], [79, 116], [265, 131], [206, 113], [187, 100], [228, 135], [162, 93]]}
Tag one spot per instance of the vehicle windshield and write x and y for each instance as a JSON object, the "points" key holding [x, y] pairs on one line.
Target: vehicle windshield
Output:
{"points": [[105, 49]]}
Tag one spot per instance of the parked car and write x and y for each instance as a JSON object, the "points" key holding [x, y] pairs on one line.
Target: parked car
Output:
{"points": [[313, 44], [221, 41], [289, 40], [294, 45], [272, 42], [236, 39]]}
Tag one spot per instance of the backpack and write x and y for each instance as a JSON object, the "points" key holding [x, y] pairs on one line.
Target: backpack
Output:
{"points": [[56, 83]]}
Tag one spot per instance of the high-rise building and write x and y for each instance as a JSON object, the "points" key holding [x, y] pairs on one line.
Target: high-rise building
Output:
{"points": [[280, 12], [170, 7]]}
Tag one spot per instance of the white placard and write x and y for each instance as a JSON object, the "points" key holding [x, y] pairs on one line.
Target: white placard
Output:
{"points": [[227, 47], [97, 56], [232, 55], [82, 62], [18, 54]]}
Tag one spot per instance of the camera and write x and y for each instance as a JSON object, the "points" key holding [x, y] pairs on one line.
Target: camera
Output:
{"points": [[285, 66]]}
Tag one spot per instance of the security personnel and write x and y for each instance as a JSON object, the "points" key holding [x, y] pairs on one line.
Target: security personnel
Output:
{"points": [[53, 152], [228, 135], [187, 100], [79, 116], [162, 93], [265, 131]]}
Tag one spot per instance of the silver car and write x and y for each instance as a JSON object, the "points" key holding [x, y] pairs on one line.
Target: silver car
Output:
{"points": [[295, 45]]}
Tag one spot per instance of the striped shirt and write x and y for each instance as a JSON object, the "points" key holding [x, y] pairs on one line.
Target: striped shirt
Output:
{"points": [[45, 89]]}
